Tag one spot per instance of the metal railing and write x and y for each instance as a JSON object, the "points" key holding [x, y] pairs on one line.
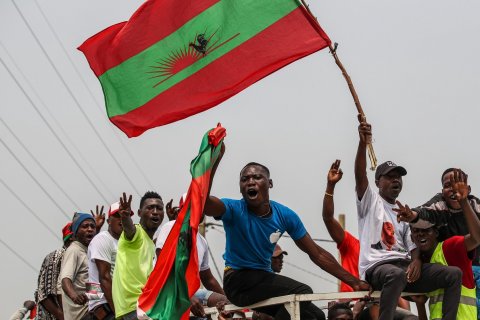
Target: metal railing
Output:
{"points": [[292, 301]]}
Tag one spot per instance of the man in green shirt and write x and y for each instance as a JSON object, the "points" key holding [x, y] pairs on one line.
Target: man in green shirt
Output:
{"points": [[135, 253]]}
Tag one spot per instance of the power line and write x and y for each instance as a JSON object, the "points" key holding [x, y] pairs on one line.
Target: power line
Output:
{"points": [[309, 272], [40, 165], [33, 178], [77, 103], [132, 158], [58, 124], [29, 209], [51, 129], [19, 256], [214, 262]]}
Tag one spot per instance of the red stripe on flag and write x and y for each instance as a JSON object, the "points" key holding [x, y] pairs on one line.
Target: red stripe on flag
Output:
{"points": [[104, 43], [211, 86]]}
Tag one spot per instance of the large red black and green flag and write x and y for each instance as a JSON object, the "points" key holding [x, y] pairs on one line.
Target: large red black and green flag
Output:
{"points": [[173, 59], [175, 278]]}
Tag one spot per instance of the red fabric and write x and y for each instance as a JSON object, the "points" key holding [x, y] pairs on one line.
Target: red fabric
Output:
{"points": [[456, 255], [349, 252], [107, 42], [206, 89]]}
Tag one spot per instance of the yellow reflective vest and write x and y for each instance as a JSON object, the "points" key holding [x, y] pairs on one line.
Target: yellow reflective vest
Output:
{"points": [[467, 309]]}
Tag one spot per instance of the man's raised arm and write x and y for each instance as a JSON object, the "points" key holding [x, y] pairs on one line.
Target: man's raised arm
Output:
{"points": [[214, 207], [125, 210], [333, 226], [361, 180]]}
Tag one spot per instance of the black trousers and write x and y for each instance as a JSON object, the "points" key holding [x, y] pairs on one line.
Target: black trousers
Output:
{"points": [[390, 278], [246, 287]]}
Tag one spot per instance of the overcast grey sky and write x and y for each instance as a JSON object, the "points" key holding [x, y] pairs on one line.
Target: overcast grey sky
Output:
{"points": [[414, 64]]}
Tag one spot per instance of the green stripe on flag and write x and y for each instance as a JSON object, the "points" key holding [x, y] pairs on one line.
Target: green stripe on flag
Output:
{"points": [[129, 85], [173, 304]]}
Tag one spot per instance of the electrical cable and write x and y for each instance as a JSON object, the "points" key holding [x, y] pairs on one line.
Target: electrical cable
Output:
{"points": [[33, 178], [57, 123], [18, 256], [77, 103], [44, 170], [132, 158], [29, 209], [53, 132]]}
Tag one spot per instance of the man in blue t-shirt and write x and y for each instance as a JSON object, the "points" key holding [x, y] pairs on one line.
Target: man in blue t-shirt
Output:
{"points": [[253, 225]]}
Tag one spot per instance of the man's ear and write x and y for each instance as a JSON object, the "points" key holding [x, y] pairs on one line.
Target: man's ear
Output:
{"points": [[377, 182], [138, 212], [270, 182], [469, 189]]}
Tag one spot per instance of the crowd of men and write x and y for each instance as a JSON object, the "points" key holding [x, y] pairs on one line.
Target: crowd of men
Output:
{"points": [[429, 251]]}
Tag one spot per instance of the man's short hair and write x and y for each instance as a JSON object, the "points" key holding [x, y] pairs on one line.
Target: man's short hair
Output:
{"points": [[258, 165], [339, 308], [149, 195], [448, 171]]}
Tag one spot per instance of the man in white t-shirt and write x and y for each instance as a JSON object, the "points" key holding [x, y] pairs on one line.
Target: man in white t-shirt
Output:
{"points": [[389, 260], [213, 292], [102, 253]]}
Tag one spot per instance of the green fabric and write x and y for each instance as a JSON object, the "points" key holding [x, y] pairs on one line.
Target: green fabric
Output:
{"points": [[132, 267], [467, 308], [247, 18]]}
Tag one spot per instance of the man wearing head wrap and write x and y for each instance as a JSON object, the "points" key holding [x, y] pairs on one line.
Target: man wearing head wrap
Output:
{"points": [[47, 294], [74, 270]]}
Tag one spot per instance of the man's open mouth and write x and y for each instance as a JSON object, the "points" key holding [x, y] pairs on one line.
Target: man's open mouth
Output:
{"points": [[252, 193]]}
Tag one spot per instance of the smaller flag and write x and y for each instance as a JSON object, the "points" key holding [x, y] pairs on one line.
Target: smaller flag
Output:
{"points": [[175, 278]]}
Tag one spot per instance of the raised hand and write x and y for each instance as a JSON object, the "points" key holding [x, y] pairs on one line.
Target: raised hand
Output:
{"points": [[404, 213], [99, 217], [335, 173], [125, 208], [459, 184], [364, 130], [171, 211]]}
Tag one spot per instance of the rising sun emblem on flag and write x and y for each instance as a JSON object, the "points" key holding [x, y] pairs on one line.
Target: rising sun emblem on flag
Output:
{"points": [[200, 46]]}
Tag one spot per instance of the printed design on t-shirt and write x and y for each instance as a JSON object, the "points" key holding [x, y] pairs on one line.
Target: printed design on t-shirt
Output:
{"points": [[388, 241], [274, 237]]}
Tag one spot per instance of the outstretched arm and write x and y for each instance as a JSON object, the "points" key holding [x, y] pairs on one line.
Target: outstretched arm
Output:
{"points": [[333, 226], [361, 180], [327, 262]]}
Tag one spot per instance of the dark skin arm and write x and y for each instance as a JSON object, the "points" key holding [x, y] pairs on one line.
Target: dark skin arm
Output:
{"points": [[125, 210], [327, 262], [209, 282], [361, 179], [214, 207], [51, 306], [104, 269], [67, 286], [333, 226], [461, 190]]}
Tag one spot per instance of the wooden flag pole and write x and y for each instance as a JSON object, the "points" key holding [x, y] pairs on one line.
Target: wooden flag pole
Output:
{"points": [[333, 51]]}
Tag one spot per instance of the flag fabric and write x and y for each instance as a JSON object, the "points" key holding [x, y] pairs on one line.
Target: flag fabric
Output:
{"points": [[174, 59], [175, 278]]}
